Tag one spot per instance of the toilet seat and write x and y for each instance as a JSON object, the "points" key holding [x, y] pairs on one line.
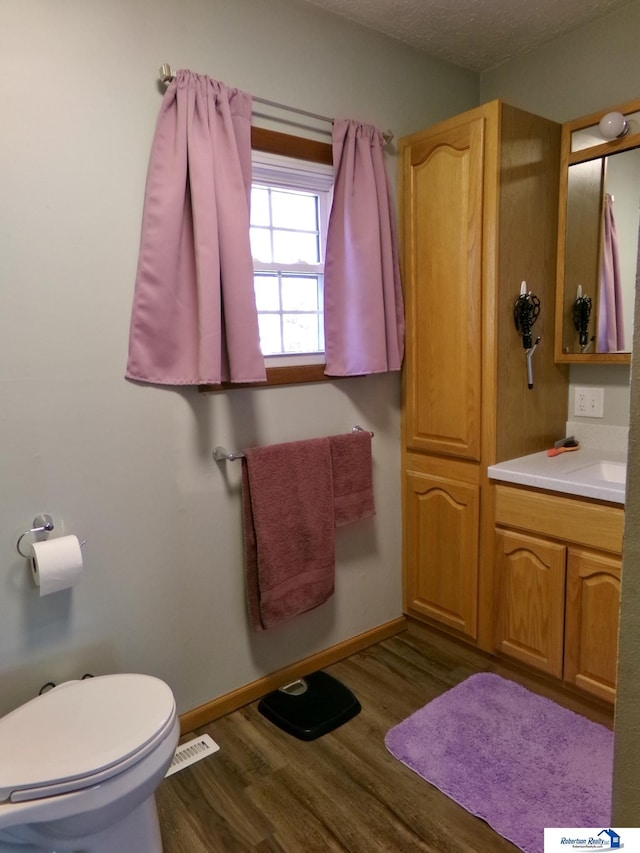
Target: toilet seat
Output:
{"points": [[82, 733]]}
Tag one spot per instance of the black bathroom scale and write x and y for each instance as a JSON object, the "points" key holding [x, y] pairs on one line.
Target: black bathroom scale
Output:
{"points": [[311, 706]]}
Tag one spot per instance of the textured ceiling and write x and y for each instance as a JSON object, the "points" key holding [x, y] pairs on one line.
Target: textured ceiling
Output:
{"points": [[475, 34]]}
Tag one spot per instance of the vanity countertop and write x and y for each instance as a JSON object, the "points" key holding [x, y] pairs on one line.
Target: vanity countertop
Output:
{"points": [[587, 473]]}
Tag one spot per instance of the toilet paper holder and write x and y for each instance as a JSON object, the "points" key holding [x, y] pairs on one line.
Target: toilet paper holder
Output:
{"points": [[41, 524]]}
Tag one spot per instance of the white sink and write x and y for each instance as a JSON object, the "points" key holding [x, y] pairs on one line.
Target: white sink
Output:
{"points": [[588, 473], [606, 470]]}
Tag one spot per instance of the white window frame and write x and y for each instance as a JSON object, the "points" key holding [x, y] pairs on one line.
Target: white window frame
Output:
{"points": [[285, 172]]}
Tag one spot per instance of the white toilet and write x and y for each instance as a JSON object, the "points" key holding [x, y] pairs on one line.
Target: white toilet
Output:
{"points": [[79, 766]]}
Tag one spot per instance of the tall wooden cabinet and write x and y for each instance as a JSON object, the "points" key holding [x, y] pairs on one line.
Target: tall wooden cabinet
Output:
{"points": [[479, 199]]}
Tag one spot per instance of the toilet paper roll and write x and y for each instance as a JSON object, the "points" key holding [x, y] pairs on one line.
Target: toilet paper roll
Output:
{"points": [[56, 564]]}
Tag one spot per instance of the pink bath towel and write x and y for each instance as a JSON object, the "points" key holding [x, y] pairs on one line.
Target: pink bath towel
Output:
{"points": [[353, 498], [287, 498]]}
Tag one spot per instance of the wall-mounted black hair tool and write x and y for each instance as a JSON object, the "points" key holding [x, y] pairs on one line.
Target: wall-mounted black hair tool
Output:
{"points": [[581, 317], [525, 314]]}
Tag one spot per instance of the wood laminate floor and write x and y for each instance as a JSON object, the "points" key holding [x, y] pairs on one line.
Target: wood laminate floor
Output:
{"points": [[268, 791]]}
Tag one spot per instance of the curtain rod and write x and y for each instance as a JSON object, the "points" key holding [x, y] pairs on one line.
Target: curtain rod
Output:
{"points": [[167, 75]]}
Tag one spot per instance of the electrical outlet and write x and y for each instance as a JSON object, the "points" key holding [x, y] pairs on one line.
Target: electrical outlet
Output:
{"points": [[580, 402], [588, 403]]}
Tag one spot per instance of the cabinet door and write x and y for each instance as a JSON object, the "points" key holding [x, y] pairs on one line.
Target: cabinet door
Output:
{"points": [[531, 588], [592, 616], [441, 551], [442, 226]]}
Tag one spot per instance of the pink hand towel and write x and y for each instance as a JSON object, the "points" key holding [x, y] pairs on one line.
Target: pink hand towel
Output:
{"points": [[353, 497], [287, 498]]}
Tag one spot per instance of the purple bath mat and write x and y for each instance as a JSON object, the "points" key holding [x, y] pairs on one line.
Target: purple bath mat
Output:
{"points": [[513, 758]]}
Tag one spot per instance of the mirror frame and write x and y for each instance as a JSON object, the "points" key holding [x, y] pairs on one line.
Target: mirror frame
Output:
{"points": [[569, 158]]}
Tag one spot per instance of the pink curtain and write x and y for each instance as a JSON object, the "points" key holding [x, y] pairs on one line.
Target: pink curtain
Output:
{"points": [[364, 311], [194, 316], [610, 336]]}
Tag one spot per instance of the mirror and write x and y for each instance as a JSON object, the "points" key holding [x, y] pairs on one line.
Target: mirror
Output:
{"points": [[598, 226]]}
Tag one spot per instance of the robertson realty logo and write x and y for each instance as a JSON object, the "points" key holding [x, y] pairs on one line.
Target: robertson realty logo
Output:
{"points": [[591, 839]]}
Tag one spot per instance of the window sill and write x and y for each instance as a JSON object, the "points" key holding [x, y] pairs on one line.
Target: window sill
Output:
{"points": [[297, 375]]}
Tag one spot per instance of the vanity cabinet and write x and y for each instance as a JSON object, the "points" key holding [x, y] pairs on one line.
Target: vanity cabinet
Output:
{"points": [[558, 565], [592, 621], [531, 576], [478, 217]]}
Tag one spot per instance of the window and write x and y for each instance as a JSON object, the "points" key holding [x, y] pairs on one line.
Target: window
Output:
{"points": [[290, 202], [272, 151]]}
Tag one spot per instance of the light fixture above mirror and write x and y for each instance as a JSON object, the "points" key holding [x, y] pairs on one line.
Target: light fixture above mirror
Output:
{"points": [[613, 126], [598, 225]]}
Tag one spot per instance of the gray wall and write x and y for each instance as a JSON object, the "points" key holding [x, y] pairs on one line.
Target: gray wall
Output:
{"points": [[129, 468], [595, 68], [590, 69]]}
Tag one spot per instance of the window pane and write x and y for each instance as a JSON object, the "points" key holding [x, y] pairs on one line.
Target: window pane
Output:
{"points": [[300, 333], [267, 293], [299, 293], [294, 210], [261, 244], [269, 325], [259, 206], [290, 247], [288, 230]]}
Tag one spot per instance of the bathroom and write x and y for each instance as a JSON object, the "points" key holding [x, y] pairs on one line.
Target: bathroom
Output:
{"points": [[130, 468]]}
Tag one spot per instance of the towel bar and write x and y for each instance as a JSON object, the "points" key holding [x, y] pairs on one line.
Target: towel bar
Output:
{"points": [[221, 454]]}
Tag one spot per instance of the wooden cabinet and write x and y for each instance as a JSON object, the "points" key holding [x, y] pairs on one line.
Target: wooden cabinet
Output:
{"points": [[444, 172], [558, 564], [442, 521], [530, 615], [478, 216], [592, 619]]}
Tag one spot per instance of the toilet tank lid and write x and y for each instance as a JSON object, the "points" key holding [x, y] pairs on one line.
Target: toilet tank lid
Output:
{"points": [[80, 728]]}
